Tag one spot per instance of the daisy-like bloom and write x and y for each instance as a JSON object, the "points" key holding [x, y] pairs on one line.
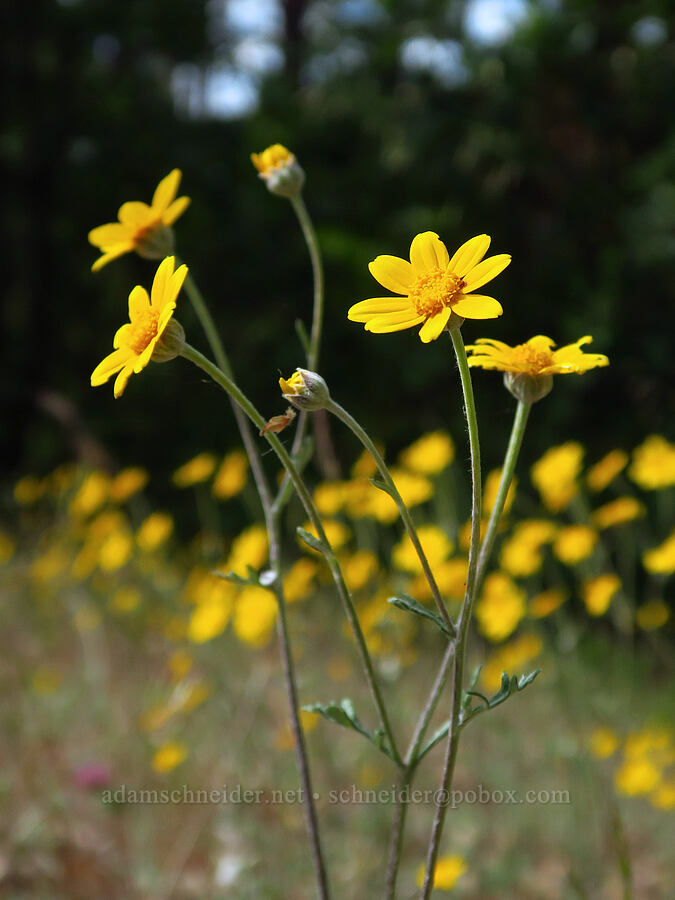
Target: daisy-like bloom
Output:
{"points": [[280, 170], [145, 229], [149, 317], [433, 287], [529, 367]]}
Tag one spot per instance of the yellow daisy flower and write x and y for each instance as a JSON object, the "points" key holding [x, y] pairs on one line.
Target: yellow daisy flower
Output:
{"points": [[433, 286], [135, 342], [535, 357], [143, 228]]}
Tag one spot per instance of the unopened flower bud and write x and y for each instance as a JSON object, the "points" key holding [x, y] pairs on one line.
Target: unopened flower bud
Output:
{"points": [[280, 171], [528, 388], [171, 343], [306, 390]]}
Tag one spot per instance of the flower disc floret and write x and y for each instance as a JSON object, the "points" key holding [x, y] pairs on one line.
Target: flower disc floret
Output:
{"points": [[136, 342], [433, 286], [145, 229]]}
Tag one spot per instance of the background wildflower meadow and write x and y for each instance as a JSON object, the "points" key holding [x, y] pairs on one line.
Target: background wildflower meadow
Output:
{"points": [[125, 664]]}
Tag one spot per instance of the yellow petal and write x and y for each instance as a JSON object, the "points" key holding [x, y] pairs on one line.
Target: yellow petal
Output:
{"points": [[428, 252], [175, 284], [144, 358], [109, 235], [111, 254], [176, 209], [139, 302], [394, 322], [166, 191], [121, 335], [433, 326], [486, 271], [469, 255], [478, 307], [122, 380], [161, 282], [366, 309], [108, 366], [393, 273], [135, 213]]}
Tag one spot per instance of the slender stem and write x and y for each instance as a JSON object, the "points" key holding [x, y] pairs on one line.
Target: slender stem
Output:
{"points": [[508, 468], [271, 521], [411, 756], [464, 616], [212, 336], [397, 831], [305, 497], [406, 518], [309, 234]]}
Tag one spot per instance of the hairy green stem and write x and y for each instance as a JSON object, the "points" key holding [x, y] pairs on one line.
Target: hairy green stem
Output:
{"points": [[249, 409], [464, 616], [403, 510]]}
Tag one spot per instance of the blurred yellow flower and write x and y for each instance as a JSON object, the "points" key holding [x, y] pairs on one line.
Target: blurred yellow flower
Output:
{"points": [[500, 607], [255, 613], [598, 592], [330, 497], [299, 580], [169, 756], [145, 229], [274, 157], [555, 475], [605, 471], [603, 743], [179, 664], [154, 531], [546, 603], [433, 286], [510, 658], [520, 554], [198, 469], [116, 550], [365, 466], [661, 560], [652, 615], [210, 617], [250, 548], [653, 466], [284, 738], [664, 796], [231, 475], [125, 600], [464, 536], [490, 489], [149, 317], [450, 577], [337, 533], [623, 509], [637, 776], [7, 548], [28, 490], [436, 544], [535, 357], [430, 454], [358, 568], [574, 543], [448, 870], [127, 483], [654, 743], [91, 495]]}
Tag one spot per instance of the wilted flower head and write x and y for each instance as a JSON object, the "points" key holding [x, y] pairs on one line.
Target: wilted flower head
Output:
{"points": [[145, 229], [280, 171]]}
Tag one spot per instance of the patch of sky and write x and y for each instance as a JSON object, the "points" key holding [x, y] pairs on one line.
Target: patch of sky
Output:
{"points": [[493, 22], [442, 59], [649, 30]]}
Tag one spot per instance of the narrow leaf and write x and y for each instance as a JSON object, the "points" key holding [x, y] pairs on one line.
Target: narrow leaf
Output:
{"points": [[407, 603]]}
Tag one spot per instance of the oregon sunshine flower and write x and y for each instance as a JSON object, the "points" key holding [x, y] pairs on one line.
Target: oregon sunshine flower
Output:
{"points": [[280, 170], [136, 341], [433, 286], [145, 229]]}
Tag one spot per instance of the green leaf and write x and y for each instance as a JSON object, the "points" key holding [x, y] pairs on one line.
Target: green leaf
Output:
{"points": [[251, 578], [343, 714], [406, 602], [381, 486], [311, 541]]}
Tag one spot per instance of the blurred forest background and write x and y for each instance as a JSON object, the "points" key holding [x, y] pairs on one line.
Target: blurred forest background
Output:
{"points": [[546, 124]]}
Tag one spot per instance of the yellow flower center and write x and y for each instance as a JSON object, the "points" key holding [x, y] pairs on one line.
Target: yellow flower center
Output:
{"points": [[528, 359], [433, 291], [143, 330]]}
